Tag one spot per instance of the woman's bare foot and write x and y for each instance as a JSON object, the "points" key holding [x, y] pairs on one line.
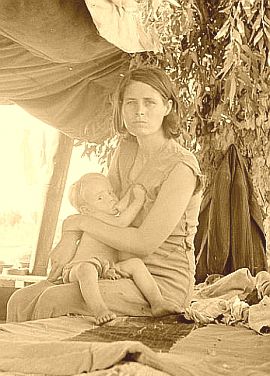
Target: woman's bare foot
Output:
{"points": [[104, 316], [165, 307]]}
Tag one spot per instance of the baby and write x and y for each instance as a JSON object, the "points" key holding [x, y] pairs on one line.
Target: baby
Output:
{"points": [[93, 195]]}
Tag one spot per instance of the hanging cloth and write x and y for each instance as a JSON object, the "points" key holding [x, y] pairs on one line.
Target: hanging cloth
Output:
{"points": [[230, 234]]}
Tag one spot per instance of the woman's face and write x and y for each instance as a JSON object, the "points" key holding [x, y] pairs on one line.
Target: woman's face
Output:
{"points": [[143, 109]]}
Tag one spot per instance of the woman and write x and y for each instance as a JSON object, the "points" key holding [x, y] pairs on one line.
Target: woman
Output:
{"points": [[146, 115]]}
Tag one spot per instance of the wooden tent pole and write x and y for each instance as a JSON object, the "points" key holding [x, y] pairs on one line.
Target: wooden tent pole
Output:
{"points": [[52, 204]]}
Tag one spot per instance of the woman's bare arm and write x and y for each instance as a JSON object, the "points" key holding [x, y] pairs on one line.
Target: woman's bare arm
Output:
{"points": [[166, 212]]}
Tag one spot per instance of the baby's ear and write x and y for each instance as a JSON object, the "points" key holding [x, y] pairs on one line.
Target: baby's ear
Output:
{"points": [[85, 210]]}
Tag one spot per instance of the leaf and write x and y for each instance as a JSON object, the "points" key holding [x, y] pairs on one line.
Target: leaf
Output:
{"points": [[223, 31], [241, 26], [247, 7], [174, 3], [267, 32], [247, 49], [237, 36], [257, 23], [258, 37], [232, 90], [227, 66], [245, 59], [194, 57], [266, 20], [245, 78], [256, 26]]}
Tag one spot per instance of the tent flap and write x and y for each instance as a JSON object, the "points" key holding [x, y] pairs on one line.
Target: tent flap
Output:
{"points": [[54, 64]]}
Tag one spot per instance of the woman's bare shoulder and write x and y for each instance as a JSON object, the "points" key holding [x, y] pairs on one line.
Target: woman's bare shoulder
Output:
{"points": [[180, 156]]}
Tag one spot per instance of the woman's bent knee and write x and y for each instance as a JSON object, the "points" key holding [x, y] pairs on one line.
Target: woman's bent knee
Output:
{"points": [[14, 307], [22, 302], [45, 305]]}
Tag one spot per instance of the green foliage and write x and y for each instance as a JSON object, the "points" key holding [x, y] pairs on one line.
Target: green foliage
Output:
{"points": [[103, 151], [218, 55]]}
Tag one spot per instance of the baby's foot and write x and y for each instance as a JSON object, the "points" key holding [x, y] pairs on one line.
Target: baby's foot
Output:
{"points": [[165, 307], [105, 316]]}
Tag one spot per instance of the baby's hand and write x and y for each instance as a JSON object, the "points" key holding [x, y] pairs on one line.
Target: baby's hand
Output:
{"points": [[139, 192]]}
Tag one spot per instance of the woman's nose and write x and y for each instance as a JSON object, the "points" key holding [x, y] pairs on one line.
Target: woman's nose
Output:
{"points": [[140, 109]]}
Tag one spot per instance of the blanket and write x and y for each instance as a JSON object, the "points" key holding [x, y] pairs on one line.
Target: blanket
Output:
{"points": [[56, 346], [208, 351]]}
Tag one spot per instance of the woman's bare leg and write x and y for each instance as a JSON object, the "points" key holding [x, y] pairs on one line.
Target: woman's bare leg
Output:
{"points": [[148, 287], [87, 276]]}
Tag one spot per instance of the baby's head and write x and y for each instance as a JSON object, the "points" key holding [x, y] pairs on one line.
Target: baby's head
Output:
{"points": [[93, 192]]}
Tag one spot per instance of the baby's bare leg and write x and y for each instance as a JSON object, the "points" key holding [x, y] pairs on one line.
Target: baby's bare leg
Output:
{"points": [[86, 275], [147, 285]]}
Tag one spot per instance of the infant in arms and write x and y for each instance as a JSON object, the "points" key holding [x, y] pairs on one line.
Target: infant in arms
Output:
{"points": [[93, 195]]}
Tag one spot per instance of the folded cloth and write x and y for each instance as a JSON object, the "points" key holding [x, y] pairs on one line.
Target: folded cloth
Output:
{"points": [[263, 284], [227, 287], [205, 311], [209, 310], [259, 316], [226, 301]]}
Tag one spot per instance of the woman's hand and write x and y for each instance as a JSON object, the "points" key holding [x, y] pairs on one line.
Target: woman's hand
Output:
{"points": [[58, 261], [62, 254], [139, 192]]}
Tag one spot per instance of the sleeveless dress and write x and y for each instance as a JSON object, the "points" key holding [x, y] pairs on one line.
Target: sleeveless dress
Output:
{"points": [[172, 265]]}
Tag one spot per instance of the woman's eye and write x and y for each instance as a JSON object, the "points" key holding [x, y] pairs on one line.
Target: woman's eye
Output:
{"points": [[99, 198]]}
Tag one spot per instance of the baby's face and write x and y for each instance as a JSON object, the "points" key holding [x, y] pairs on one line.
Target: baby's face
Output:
{"points": [[100, 196]]}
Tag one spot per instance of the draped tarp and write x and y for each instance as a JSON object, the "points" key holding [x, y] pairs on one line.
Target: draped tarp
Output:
{"points": [[54, 64]]}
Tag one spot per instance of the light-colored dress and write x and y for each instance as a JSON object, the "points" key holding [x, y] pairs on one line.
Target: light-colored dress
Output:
{"points": [[172, 266]]}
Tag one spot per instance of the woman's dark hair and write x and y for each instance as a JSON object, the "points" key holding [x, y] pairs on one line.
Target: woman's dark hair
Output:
{"points": [[158, 80]]}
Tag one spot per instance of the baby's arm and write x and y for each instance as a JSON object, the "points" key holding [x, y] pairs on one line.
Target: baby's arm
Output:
{"points": [[126, 217], [124, 202]]}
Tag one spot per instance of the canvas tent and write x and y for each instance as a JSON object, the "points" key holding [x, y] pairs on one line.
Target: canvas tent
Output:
{"points": [[54, 64]]}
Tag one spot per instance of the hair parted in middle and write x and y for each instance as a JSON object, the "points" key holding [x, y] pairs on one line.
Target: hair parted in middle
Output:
{"points": [[158, 80]]}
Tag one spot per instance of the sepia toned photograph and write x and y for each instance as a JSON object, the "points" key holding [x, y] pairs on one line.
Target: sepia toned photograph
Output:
{"points": [[135, 187]]}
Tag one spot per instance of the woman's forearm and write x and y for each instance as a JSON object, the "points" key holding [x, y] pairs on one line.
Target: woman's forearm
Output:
{"points": [[127, 239], [159, 224]]}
